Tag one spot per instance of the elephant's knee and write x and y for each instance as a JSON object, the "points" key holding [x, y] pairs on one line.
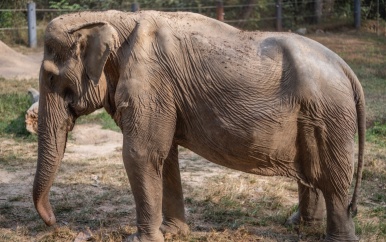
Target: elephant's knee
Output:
{"points": [[135, 154]]}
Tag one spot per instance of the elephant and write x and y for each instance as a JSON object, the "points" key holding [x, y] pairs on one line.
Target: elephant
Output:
{"points": [[266, 103]]}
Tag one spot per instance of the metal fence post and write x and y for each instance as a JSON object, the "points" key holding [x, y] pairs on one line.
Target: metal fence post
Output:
{"points": [[318, 11], [357, 14], [377, 17], [135, 7], [279, 15], [220, 10], [32, 40]]}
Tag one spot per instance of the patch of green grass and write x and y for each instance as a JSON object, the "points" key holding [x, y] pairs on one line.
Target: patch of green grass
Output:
{"points": [[14, 102], [379, 198], [373, 231], [379, 212], [6, 207], [12, 115], [377, 134], [367, 175], [365, 228], [382, 228]]}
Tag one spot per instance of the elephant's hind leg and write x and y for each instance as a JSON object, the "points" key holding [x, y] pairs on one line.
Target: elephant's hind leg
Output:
{"points": [[337, 158], [311, 207], [326, 160], [311, 202], [340, 226], [173, 200]]}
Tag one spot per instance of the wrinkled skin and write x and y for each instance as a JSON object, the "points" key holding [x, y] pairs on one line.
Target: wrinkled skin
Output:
{"points": [[263, 103]]}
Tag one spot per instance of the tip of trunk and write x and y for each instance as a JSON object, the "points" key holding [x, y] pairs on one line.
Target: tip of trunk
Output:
{"points": [[44, 209]]}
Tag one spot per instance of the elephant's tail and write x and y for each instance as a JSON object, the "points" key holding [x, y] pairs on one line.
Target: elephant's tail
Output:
{"points": [[361, 122]]}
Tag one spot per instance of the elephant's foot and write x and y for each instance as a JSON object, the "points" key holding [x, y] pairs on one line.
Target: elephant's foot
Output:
{"points": [[340, 225], [341, 238], [297, 219], [294, 219], [344, 231], [139, 237], [175, 227], [337, 236]]}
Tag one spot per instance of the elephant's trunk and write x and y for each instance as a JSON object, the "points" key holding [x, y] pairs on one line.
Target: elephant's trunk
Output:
{"points": [[53, 126]]}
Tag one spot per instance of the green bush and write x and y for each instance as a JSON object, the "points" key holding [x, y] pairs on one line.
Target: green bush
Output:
{"points": [[12, 119], [6, 19], [64, 5]]}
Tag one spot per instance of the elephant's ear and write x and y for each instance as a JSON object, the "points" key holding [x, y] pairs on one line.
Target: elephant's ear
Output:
{"points": [[95, 42]]}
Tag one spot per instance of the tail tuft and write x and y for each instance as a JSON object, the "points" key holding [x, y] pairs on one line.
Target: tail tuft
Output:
{"points": [[353, 209]]}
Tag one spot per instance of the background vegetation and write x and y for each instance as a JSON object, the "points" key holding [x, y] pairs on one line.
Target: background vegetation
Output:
{"points": [[245, 14]]}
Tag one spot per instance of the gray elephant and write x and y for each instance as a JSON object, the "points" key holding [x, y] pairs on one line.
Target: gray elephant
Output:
{"points": [[273, 104]]}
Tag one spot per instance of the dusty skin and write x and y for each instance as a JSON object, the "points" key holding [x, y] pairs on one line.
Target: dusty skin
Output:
{"points": [[262, 103]]}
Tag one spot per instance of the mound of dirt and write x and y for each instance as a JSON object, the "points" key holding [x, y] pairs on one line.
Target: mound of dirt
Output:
{"points": [[14, 65]]}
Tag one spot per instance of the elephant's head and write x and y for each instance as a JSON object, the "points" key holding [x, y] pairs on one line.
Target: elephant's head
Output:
{"points": [[72, 83]]}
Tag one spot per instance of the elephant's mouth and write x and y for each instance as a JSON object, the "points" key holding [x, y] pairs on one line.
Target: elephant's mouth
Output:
{"points": [[72, 117], [70, 125]]}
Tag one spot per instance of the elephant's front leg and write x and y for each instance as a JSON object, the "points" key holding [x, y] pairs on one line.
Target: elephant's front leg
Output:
{"points": [[173, 200], [147, 140], [145, 175]]}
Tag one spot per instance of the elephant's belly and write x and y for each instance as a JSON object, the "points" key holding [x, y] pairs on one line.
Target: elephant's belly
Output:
{"points": [[252, 161], [269, 151]]}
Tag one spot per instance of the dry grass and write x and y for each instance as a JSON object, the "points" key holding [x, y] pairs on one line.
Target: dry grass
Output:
{"points": [[92, 199], [12, 86]]}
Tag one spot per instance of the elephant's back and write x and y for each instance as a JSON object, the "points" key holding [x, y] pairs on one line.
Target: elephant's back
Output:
{"points": [[311, 71], [185, 23]]}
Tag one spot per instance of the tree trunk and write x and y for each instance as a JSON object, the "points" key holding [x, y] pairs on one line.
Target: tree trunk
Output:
{"points": [[318, 11], [246, 12]]}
